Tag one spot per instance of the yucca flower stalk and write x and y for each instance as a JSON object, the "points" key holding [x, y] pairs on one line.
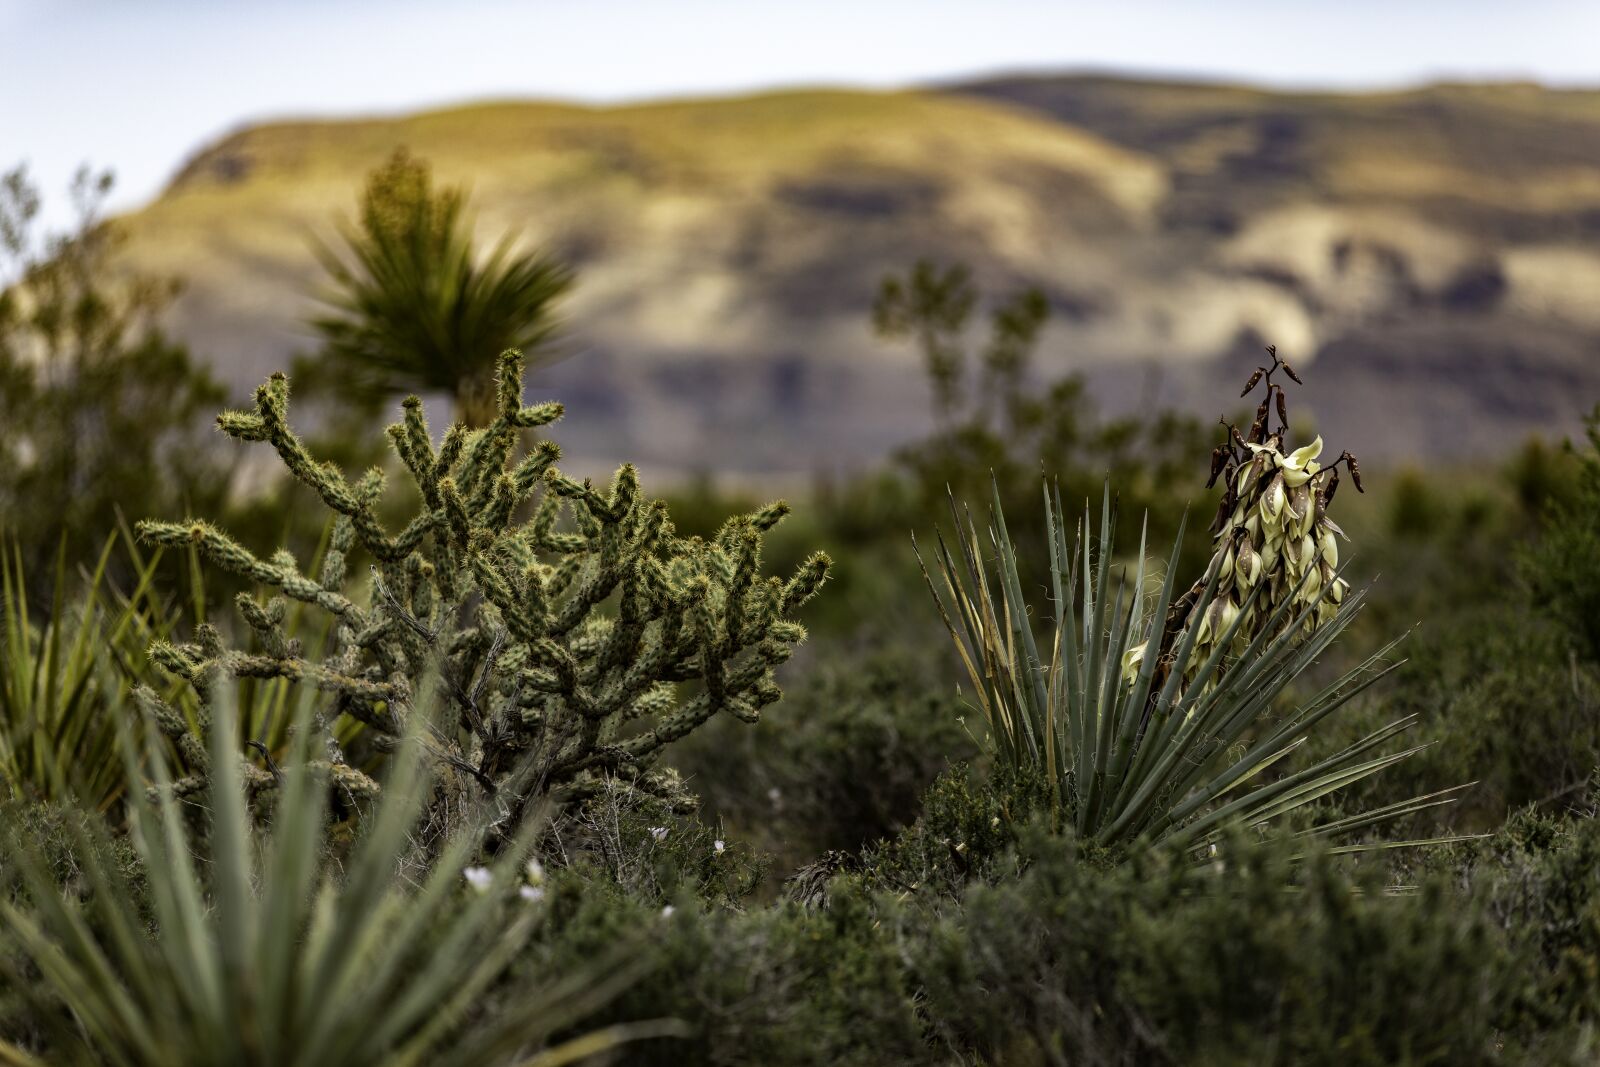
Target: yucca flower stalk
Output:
{"points": [[1272, 527], [1172, 747]]}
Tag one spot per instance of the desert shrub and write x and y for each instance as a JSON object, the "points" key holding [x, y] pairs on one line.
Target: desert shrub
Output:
{"points": [[856, 741], [1543, 874], [968, 832], [1495, 671], [543, 688], [83, 363], [1563, 568], [1266, 958], [1046, 949], [997, 423], [780, 985], [54, 834], [640, 845], [1497, 688]]}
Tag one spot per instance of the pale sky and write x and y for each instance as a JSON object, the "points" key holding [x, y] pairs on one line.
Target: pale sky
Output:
{"points": [[139, 85]]}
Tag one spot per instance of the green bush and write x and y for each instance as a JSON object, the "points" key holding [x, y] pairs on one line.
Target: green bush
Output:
{"points": [[997, 423], [779, 985], [855, 742], [1264, 959], [83, 364], [1563, 568], [1544, 878]]}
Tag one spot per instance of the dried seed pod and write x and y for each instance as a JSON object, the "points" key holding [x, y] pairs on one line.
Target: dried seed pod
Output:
{"points": [[1254, 381], [1283, 409], [1224, 509], [1219, 459], [1290, 371], [1237, 440], [1355, 471], [1333, 487]]}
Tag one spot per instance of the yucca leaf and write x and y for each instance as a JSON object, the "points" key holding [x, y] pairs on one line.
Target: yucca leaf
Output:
{"points": [[1131, 759]]}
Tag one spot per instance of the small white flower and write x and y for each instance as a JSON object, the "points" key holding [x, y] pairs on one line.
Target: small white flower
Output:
{"points": [[535, 871], [531, 893], [775, 795], [719, 846], [478, 878], [658, 832], [666, 912]]}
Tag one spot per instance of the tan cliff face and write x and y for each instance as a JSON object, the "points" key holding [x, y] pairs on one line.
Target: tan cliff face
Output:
{"points": [[1438, 251]]}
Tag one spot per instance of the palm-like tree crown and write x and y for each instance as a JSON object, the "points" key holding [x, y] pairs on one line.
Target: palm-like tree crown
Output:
{"points": [[415, 308]]}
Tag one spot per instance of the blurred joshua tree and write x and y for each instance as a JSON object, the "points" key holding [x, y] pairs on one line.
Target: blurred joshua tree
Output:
{"points": [[83, 363], [415, 306]]}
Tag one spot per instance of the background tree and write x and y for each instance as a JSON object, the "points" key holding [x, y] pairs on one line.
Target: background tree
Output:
{"points": [[83, 364], [931, 305], [415, 308]]}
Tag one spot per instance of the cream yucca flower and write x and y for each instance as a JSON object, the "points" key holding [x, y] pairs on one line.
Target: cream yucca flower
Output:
{"points": [[1275, 546]]}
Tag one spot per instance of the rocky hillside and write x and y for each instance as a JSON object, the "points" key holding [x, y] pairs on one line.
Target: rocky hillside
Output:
{"points": [[1434, 255]]}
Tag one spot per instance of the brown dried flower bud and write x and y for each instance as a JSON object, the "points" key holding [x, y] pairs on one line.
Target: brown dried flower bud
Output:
{"points": [[1224, 511], [1254, 380], [1290, 371], [1355, 471], [1219, 457]]}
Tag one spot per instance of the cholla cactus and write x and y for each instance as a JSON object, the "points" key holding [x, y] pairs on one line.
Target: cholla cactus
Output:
{"points": [[570, 645], [1275, 543]]}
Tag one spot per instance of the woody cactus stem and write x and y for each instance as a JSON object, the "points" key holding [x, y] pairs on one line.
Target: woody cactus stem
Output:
{"points": [[573, 634]]}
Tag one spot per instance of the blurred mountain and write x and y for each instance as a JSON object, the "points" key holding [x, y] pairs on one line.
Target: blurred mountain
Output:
{"points": [[1430, 258]]}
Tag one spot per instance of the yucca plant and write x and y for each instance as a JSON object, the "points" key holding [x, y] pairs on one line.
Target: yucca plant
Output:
{"points": [[276, 952], [66, 673], [1171, 746]]}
